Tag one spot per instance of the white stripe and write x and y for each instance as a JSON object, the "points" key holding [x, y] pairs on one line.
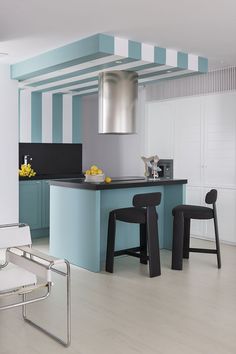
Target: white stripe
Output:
{"points": [[71, 69], [46, 117], [193, 62], [89, 75], [164, 76], [67, 119], [121, 47], [154, 69], [25, 116], [84, 92], [75, 87], [171, 57], [147, 52]]}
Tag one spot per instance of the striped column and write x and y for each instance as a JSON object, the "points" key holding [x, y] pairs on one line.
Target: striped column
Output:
{"points": [[49, 118]]}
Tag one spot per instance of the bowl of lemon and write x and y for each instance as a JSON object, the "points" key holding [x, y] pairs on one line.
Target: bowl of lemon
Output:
{"points": [[94, 174]]}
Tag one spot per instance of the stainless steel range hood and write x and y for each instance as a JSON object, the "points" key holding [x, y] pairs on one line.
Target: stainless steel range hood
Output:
{"points": [[118, 95]]}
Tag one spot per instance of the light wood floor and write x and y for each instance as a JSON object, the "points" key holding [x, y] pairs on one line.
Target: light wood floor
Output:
{"points": [[192, 312]]}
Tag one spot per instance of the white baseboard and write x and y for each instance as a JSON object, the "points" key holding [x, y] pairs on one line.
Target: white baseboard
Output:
{"points": [[212, 240]]}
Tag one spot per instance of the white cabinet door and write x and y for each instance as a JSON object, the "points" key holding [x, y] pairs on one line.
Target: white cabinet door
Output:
{"points": [[220, 140], [160, 134], [195, 196], [188, 140], [226, 211]]}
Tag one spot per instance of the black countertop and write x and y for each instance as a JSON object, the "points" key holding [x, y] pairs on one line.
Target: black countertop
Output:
{"points": [[122, 182], [51, 176]]}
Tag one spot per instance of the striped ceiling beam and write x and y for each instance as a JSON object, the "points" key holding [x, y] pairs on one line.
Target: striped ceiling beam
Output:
{"points": [[76, 66]]}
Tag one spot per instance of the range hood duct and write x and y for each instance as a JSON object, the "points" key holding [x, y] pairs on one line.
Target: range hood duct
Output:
{"points": [[118, 96]]}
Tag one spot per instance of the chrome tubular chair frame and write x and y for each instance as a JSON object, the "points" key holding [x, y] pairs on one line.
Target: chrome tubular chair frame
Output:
{"points": [[49, 264]]}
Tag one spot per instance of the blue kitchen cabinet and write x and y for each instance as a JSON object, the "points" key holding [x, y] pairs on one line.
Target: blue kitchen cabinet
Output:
{"points": [[45, 203], [30, 203], [34, 206]]}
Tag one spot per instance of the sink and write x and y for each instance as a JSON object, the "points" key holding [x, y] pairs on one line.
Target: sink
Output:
{"points": [[128, 178]]}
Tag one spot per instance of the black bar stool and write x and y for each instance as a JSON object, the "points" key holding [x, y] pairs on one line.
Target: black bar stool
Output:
{"points": [[181, 230], [143, 213]]}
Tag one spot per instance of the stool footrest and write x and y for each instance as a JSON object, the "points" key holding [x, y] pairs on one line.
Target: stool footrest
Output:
{"points": [[202, 250], [130, 251]]}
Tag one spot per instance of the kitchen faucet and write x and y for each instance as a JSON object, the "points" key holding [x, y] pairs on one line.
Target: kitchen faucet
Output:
{"points": [[27, 159]]}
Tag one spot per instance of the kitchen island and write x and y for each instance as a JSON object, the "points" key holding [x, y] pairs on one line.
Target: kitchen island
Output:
{"points": [[79, 216]]}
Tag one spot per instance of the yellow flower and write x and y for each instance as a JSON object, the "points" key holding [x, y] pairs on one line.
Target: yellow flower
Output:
{"points": [[26, 171]]}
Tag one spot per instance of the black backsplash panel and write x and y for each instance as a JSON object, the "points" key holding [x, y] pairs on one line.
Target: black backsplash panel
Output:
{"points": [[50, 159]]}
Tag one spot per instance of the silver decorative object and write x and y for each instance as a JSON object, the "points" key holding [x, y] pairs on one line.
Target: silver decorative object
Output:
{"points": [[151, 162], [118, 95]]}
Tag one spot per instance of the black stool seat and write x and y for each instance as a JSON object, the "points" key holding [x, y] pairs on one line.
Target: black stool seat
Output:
{"points": [[181, 229], [144, 213], [131, 215], [194, 211]]}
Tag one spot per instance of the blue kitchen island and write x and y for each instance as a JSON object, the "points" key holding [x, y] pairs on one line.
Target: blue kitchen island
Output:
{"points": [[79, 216]]}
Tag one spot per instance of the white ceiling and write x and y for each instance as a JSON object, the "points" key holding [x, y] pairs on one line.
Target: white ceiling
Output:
{"points": [[202, 27]]}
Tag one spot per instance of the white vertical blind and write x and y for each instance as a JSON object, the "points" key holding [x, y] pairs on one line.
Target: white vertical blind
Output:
{"points": [[220, 80]]}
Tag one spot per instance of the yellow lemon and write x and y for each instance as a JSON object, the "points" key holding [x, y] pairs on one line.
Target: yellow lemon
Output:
{"points": [[108, 179], [99, 171], [93, 172], [87, 172], [93, 167]]}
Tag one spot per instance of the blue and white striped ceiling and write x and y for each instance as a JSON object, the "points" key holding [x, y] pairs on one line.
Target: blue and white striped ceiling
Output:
{"points": [[74, 68]]}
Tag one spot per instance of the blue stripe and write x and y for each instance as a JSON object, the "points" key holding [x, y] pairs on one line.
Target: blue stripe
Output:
{"points": [[87, 94], [76, 119], [36, 117], [160, 55], [169, 78], [106, 44], [144, 66], [202, 65], [57, 118], [85, 88], [135, 50], [73, 83], [162, 72], [182, 60]]}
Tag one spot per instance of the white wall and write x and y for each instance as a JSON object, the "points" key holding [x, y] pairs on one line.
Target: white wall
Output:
{"points": [[8, 147], [199, 133], [117, 155]]}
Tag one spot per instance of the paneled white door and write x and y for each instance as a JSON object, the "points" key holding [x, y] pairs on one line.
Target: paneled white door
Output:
{"points": [[220, 140], [188, 140]]}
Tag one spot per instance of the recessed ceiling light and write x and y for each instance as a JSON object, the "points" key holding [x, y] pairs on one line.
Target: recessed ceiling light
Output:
{"points": [[168, 71], [118, 61]]}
